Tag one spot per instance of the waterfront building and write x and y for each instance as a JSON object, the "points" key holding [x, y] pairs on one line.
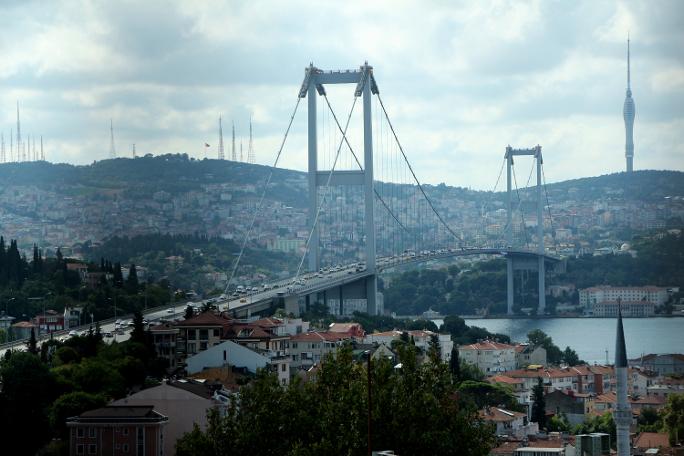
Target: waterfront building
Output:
{"points": [[666, 364], [637, 309], [526, 355], [420, 337], [656, 295]]}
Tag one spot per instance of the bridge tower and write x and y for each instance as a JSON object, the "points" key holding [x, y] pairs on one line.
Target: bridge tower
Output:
{"points": [[510, 259], [313, 84]]}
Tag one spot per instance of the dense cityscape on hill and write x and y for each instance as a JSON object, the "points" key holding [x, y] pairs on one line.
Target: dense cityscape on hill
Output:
{"points": [[403, 281]]}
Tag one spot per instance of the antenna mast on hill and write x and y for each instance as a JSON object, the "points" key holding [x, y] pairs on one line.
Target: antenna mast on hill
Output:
{"points": [[250, 150], [112, 150], [11, 146], [241, 157], [18, 132], [220, 147], [233, 157], [133, 150], [35, 157], [42, 153]]}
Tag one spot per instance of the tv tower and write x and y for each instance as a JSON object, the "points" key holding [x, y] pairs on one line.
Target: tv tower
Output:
{"points": [[233, 157], [112, 150], [628, 112], [250, 149], [220, 147]]}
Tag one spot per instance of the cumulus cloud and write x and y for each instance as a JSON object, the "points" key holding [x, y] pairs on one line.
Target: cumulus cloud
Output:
{"points": [[461, 79]]}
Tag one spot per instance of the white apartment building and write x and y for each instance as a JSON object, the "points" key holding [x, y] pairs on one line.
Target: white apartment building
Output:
{"points": [[593, 295], [420, 337], [628, 308], [489, 356]]}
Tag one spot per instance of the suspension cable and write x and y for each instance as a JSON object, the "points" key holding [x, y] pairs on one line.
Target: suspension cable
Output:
{"points": [[522, 212], [351, 149], [261, 200], [327, 185], [548, 209], [484, 207], [420, 186]]}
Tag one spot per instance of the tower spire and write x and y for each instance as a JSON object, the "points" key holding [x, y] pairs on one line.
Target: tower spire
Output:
{"points": [[220, 147], [628, 65], [622, 413]]}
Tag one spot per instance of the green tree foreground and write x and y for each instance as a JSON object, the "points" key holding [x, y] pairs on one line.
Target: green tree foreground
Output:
{"points": [[416, 410]]}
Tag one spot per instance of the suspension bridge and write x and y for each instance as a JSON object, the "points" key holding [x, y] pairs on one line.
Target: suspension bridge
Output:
{"points": [[368, 211]]}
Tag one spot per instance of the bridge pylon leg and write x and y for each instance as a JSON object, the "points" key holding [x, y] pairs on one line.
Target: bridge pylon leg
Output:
{"points": [[509, 285], [371, 294], [542, 287]]}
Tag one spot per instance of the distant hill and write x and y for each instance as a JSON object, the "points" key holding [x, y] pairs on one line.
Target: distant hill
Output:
{"points": [[176, 173]]}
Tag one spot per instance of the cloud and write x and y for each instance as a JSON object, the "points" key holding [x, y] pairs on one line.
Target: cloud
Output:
{"points": [[461, 79]]}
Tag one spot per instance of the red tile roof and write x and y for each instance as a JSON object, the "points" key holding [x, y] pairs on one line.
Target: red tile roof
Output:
{"points": [[499, 415], [319, 336], [647, 440], [487, 345], [205, 319]]}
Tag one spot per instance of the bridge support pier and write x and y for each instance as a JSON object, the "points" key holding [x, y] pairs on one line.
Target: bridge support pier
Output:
{"points": [[541, 309], [371, 294]]}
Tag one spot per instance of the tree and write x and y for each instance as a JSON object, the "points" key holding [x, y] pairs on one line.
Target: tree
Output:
{"points": [[28, 389], [132, 280], [72, 404], [415, 410], [32, 343], [189, 312], [673, 418], [537, 337], [570, 357], [539, 404], [118, 275], [649, 420], [138, 333], [434, 349], [455, 365]]}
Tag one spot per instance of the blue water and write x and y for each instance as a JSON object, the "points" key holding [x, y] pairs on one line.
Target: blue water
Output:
{"points": [[591, 337]]}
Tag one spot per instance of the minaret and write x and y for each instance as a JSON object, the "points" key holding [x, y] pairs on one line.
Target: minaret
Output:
{"points": [[220, 147], [622, 413], [628, 115], [233, 156]]}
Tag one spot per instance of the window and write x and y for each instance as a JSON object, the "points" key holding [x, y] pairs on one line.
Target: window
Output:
{"points": [[91, 432], [204, 334], [140, 442], [283, 367], [125, 431], [192, 348], [203, 346], [125, 448], [192, 334], [79, 448], [216, 333], [92, 449], [80, 432], [294, 344]]}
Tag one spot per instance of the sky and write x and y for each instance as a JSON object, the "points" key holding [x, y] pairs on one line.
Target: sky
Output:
{"points": [[460, 80]]}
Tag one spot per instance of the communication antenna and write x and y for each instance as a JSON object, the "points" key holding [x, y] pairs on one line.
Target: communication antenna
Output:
{"points": [[250, 149], [241, 157], [11, 146], [35, 157], [233, 157], [112, 150], [42, 153], [133, 150], [18, 132], [220, 147]]}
